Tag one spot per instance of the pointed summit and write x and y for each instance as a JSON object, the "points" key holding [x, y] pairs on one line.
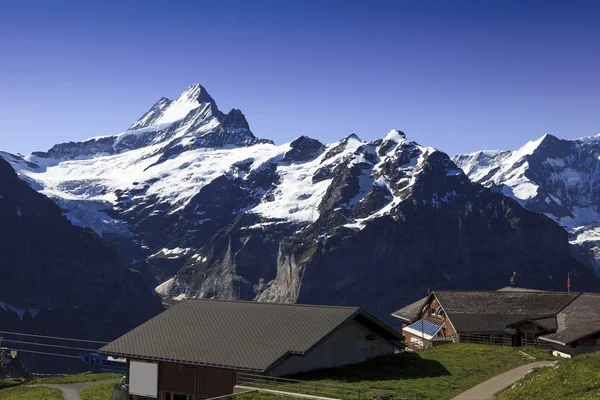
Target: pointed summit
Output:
{"points": [[196, 93], [166, 111]]}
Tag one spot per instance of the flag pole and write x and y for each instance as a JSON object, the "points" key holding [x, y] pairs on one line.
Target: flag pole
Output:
{"points": [[568, 283]]}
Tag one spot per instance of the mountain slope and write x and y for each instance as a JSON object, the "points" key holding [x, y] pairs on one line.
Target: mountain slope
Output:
{"points": [[560, 178], [58, 278], [197, 202], [396, 219]]}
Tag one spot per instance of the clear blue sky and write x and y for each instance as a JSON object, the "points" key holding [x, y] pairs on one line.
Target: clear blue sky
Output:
{"points": [[456, 75]]}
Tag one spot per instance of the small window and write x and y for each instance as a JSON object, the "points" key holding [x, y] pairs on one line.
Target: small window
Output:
{"points": [[440, 312]]}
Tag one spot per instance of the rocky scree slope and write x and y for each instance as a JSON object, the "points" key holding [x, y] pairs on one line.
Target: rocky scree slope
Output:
{"points": [[200, 204], [556, 177]]}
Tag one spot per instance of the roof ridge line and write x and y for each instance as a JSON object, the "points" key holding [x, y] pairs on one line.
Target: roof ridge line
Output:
{"points": [[272, 303], [569, 303], [508, 291]]}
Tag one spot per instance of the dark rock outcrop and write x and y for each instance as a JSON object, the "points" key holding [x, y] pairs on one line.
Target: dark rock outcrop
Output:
{"points": [[59, 279], [303, 149]]}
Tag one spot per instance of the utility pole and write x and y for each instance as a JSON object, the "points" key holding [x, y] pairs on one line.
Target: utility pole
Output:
{"points": [[2, 360], [423, 325]]}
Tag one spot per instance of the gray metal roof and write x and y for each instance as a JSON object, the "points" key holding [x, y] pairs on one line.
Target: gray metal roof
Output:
{"points": [[578, 320], [237, 334]]}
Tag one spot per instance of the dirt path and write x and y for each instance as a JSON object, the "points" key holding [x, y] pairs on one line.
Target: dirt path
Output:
{"points": [[489, 388], [70, 391]]}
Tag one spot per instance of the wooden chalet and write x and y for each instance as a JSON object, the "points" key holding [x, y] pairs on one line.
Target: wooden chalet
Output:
{"points": [[567, 323]]}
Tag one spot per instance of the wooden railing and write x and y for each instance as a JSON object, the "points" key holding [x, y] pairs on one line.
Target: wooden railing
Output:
{"points": [[498, 340], [316, 389]]}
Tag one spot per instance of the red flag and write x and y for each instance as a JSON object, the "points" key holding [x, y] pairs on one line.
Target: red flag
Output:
{"points": [[568, 281]]}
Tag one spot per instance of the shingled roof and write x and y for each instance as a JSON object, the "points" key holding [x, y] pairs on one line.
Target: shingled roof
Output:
{"points": [[504, 302], [473, 311], [411, 312], [493, 311], [237, 334], [578, 320]]}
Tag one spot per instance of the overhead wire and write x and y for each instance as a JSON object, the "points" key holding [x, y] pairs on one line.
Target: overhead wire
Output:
{"points": [[52, 337], [41, 352], [48, 345]]}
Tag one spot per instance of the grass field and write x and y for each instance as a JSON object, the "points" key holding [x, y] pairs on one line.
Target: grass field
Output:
{"points": [[438, 373], [574, 379], [15, 390], [4, 383], [30, 393], [102, 391], [80, 378]]}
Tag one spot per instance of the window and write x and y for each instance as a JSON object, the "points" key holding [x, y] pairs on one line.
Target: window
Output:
{"points": [[174, 396], [440, 312]]}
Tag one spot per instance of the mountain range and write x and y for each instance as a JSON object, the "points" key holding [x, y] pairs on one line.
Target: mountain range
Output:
{"points": [[201, 207], [556, 177]]}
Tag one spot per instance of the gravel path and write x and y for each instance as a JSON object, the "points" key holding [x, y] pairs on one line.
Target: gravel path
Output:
{"points": [[70, 391], [489, 388]]}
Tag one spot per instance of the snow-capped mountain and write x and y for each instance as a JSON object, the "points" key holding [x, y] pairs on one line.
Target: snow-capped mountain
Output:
{"points": [[197, 202], [560, 178]]}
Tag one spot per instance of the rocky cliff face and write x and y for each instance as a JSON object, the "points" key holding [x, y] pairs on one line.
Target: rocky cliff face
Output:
{"points": [[196, 202], [395, 220], [59, 279], [559, 178]]}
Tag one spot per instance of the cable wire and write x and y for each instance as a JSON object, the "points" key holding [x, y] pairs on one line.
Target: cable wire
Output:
{"points": [[52, 337], [41, 352], [48, 345]]}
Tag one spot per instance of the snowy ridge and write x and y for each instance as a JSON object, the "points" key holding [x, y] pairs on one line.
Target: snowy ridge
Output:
{"points": [[560, 178], [202, 208], [163, 188], [87, 187]]}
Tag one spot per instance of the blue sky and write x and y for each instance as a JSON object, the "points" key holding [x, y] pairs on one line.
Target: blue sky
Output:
{"points": [[457, 75]]}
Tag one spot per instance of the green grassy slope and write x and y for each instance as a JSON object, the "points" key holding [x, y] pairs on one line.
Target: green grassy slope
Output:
{"points": [[574, 379], [30, 393], [438, 373], [98, 392], [80, 378]]}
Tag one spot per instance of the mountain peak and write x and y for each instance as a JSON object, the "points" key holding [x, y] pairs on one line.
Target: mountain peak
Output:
{"points": [[353, 136], [235, 119], [196, 93], [166, 111], [395, 135]]}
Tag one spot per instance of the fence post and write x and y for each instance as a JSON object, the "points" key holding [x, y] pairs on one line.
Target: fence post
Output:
{"points": [[358, 393], [315, 393]]}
